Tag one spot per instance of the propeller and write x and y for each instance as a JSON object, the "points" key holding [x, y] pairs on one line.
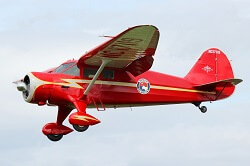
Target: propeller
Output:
{"points": [[23, 85]]}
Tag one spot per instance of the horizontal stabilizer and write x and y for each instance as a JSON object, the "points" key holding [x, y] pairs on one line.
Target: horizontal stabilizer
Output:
{"points": [[221, 83]]}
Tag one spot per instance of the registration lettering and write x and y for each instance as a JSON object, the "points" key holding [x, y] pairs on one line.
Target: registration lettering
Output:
{"points": [[213, 51]]}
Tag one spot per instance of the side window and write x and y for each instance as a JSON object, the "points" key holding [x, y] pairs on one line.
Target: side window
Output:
{"points": [[106, 73], [74, 71], [89, 73]]}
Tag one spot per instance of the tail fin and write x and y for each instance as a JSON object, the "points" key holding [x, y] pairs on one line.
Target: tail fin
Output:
{"points": [[212, 66]]}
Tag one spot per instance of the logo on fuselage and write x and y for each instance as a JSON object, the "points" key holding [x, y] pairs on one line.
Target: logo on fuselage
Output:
{"points": [[143, 86]]}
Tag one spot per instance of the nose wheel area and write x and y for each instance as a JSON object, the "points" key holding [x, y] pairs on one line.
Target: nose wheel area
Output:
{"points": [[203, 109]]}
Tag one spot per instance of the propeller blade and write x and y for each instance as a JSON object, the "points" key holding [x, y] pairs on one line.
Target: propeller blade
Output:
{"points": [[21, 86]]}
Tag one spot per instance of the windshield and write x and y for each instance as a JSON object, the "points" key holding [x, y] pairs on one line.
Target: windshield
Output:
{"points": [[63, 67], [74, 71]]}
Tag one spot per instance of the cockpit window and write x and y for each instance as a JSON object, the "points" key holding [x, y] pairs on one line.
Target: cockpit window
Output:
{"points": [[89, 73], [63, 67], [106, 73], [74, 71]]}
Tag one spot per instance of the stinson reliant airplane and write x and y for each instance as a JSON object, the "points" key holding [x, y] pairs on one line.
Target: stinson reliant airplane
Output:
{"points": [[116, 74]]}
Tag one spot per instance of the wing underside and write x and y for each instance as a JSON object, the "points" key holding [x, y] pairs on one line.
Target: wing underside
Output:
{"points": [[131, 50]]}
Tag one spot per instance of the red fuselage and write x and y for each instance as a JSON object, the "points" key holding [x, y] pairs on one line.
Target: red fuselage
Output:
{"points": [[121, 90]]}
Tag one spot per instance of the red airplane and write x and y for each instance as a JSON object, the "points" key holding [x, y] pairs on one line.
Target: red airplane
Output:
{"points": [[116, 74]]}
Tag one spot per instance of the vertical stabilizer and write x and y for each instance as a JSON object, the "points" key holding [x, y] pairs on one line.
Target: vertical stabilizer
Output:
{"points": [[212, 66]]}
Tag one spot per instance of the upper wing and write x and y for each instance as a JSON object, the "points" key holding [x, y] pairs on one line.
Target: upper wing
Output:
{"points": [[131, 50]]}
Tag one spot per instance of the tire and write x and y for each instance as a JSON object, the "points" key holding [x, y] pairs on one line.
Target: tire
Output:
{"points": [[80, 128], [203, 109], [55, 137]]}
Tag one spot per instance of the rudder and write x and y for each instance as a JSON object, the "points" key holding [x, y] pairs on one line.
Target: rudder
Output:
{"points": [[212, 66]]}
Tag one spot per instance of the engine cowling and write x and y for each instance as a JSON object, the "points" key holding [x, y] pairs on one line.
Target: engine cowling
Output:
{"points": [[33, 89]]}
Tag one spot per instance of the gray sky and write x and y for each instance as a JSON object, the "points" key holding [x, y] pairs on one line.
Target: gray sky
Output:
{"points": [[36, 35]]}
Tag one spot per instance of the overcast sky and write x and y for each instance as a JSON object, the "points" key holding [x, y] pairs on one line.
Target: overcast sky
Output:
{"points": [[37, 35]]}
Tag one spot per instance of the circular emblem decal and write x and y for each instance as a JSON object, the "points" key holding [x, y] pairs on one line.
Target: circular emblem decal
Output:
{"points": [[143, 86]]}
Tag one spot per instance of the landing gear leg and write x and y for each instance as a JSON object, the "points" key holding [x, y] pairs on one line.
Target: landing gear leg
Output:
{"points": [[55, 131], [203, 109], [81, 109], [80, 119]]}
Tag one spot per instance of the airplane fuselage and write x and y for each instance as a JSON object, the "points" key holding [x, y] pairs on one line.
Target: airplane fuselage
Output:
{"points": [[150, 88]]}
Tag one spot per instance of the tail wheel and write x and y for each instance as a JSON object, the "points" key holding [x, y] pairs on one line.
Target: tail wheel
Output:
{"points": [[80, 128], [203, 109], [55, 137]]}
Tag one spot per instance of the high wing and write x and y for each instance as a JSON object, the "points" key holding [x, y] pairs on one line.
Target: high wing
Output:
{"points": [[131, 50]]}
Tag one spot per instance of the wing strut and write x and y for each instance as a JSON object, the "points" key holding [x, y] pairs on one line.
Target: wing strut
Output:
{"points": [[104, 63]]}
